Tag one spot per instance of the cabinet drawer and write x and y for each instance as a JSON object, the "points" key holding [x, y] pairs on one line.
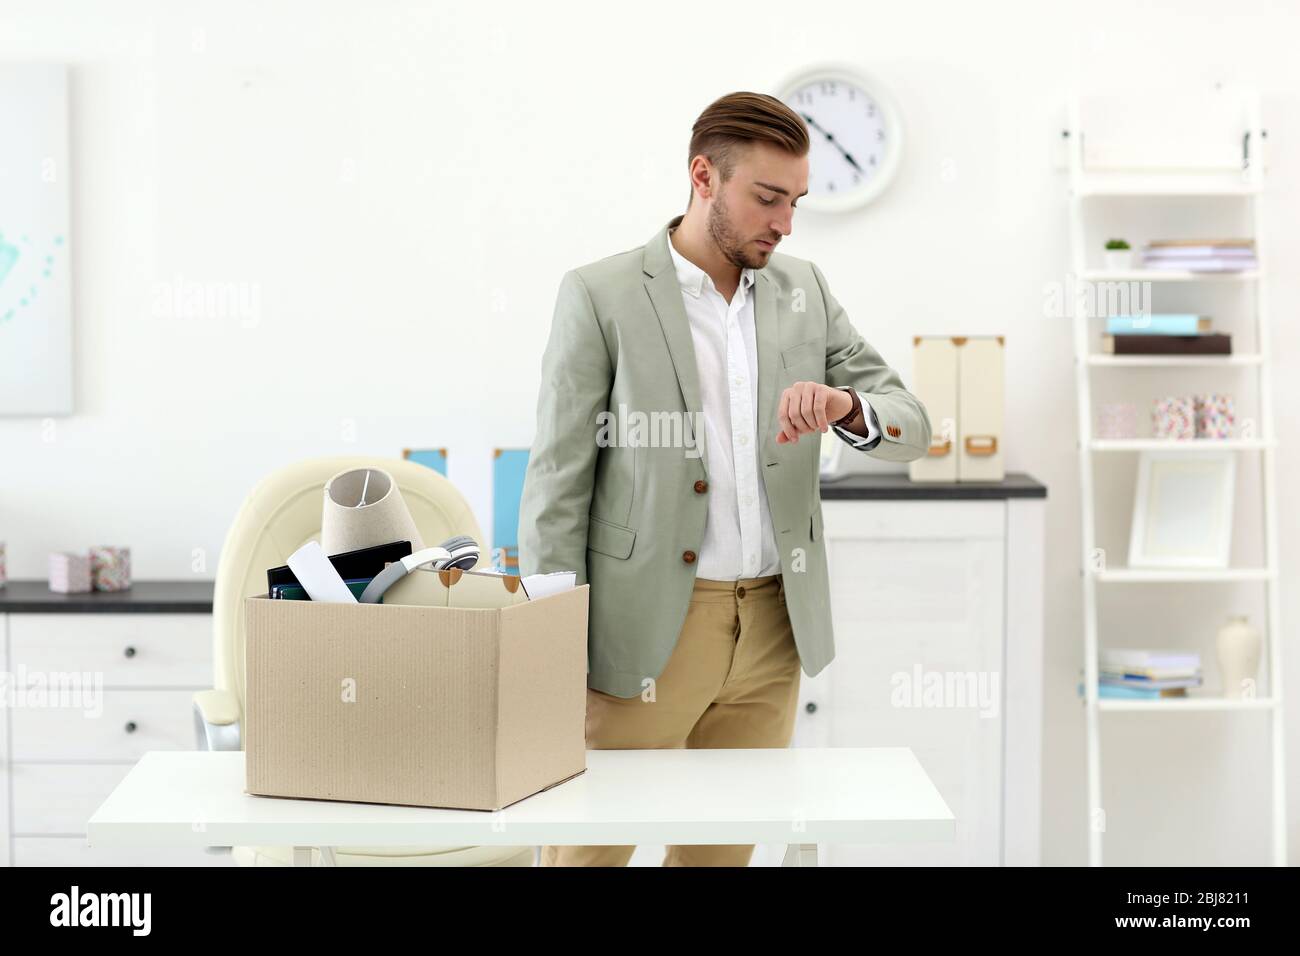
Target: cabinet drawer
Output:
{"points": [[118, 725], [60, 798], [914, 520], [73, 851], [130, 650]]}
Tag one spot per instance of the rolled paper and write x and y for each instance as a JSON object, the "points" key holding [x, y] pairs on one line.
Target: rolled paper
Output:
{"points": [[69, 573], [1174, 417], [363, 508], [110, 568]]}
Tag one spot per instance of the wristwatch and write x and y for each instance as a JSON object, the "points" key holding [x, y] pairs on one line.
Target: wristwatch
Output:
{"points": [[855, 411]]}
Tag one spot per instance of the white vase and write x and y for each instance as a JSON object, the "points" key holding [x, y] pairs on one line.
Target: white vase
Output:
{"points": [[1238, 656]]}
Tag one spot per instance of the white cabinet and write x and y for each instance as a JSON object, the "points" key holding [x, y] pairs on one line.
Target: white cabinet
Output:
{"points": [[937, 609], [6, 842], [97, 690]]}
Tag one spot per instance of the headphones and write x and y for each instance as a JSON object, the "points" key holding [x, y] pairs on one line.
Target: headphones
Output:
{"points": [[461, 552]]}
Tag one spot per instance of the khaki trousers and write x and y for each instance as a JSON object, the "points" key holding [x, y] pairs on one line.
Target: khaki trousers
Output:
{"points": [[731, 681]]}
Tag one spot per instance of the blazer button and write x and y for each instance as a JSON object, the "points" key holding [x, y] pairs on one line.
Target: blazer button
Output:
{"points": [[701, 487], [688, 557]]}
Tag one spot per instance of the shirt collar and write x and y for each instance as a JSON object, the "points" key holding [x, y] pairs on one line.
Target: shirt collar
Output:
{"points": [[691, 277]]}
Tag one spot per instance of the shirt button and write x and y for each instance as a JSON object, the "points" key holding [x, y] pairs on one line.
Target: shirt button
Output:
{"points": [[701, 487], [744, 439], [688, 557]]}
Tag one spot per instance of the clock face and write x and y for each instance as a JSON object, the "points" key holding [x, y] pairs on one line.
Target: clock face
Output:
{"points": [[854, 135]]}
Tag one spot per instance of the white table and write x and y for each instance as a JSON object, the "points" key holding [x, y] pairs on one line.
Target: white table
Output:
{"points": [[799, 797]]}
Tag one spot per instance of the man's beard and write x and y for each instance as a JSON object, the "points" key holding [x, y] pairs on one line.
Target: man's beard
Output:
{"points": [[732, 246]]}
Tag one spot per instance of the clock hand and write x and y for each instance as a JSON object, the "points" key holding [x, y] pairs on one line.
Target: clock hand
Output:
{"points": [[833, 141]]}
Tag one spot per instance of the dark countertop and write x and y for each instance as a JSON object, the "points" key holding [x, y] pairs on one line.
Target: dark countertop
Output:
{"points": [[142, 597], [1016, 484]]}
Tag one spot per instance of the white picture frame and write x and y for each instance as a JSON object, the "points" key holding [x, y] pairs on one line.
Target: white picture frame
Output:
{"points": [[1182, 510], [36, 372]]}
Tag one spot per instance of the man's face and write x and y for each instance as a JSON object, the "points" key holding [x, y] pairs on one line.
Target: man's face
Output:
{"points": [[754, 209]]}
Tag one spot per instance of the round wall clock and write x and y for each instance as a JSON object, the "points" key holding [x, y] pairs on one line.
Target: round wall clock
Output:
{"points": [[856, 135]]}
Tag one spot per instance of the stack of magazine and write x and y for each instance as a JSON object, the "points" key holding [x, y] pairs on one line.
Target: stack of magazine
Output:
{"points": [[1146, 675], [1200, 255]]}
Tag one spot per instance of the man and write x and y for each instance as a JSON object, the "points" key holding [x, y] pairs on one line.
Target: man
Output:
{"points": [[704, 552]]}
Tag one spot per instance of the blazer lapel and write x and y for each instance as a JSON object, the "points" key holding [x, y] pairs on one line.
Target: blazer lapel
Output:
{"points": [[766, 334], [666, 297]]}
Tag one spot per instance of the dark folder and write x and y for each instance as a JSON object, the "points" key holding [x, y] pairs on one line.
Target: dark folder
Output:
{"points": [[362, 563]]}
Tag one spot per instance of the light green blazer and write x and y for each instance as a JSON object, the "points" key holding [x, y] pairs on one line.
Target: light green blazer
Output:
{"points": [[625, 515]]}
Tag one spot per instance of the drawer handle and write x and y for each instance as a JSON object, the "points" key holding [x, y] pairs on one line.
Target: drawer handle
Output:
{"points": [[130, 651], [938, 449], [130, 726]]}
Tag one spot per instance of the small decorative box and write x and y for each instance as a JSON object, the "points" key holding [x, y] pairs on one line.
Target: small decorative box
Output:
{"points": [[1117, 420], [1174, 417], [110, 568], [69, 573], [1214, 418]]}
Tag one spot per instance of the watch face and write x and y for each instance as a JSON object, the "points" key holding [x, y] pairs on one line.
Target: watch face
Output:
{"points": [[854, 138]]}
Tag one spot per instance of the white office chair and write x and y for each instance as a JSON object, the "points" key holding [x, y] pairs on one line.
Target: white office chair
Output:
{"points": [[280, 515]]}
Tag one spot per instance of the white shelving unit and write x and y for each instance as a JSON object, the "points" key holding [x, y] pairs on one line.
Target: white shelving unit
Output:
{"points": [[1246, 186]]}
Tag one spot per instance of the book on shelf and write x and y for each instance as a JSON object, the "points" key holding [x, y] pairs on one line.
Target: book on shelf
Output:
{"points": [[1200, 243], [1189, 680], [1147, 673], [1201, 251], [1124, 657], [1217, 264], [1107, 692], [1134, 343], [1158, 323]]}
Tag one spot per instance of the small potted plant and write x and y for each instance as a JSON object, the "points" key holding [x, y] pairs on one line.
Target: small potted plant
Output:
{"points": [[1118, 255]]}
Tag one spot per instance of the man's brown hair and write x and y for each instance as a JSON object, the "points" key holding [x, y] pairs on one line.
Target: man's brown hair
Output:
{"points": [[731, 123]]}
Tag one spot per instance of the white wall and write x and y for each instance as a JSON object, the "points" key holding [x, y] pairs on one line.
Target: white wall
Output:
{"points": [[404, 184]]}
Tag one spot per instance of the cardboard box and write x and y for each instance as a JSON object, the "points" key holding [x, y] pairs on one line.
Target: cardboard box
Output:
{"points": [[420, 706]]}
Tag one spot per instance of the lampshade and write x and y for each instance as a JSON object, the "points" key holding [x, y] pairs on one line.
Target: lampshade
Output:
{"points": [[363, 508]]}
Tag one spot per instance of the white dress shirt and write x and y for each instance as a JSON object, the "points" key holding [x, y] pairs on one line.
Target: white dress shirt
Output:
{"points": [[739, 541]]}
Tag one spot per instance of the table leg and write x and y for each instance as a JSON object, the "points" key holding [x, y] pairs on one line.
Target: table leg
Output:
{"points": [[800, 854]]}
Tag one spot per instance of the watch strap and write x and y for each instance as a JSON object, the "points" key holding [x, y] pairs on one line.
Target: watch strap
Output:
{"points": [[854, 412]]}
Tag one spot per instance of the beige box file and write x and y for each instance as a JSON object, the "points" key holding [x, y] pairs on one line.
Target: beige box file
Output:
{"points": [[979, 409], [456, 588], [934, 376], [960, 380]]}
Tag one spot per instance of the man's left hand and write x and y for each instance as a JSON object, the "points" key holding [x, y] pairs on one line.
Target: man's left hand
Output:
{"points": [[810, 406]]}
